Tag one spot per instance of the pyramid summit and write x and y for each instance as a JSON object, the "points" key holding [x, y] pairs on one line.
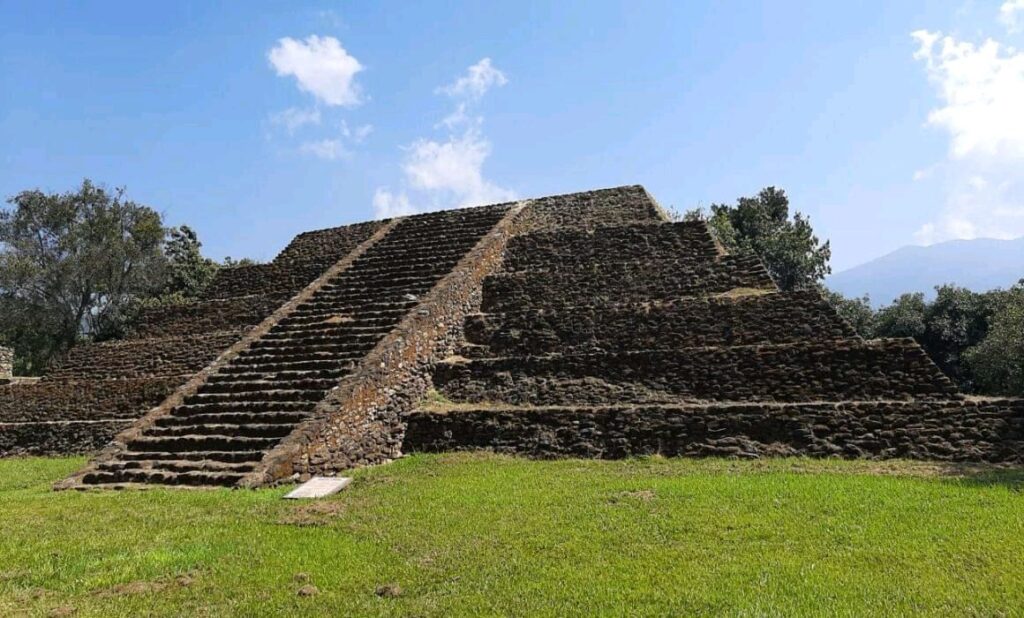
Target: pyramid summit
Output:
{"points": [[585, 324]]}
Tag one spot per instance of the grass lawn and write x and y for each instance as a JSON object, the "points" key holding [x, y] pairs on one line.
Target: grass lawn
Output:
{"points": [[487, 535]]}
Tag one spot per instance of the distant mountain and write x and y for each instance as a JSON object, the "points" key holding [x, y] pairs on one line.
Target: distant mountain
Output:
{"points": [[979, 265]]}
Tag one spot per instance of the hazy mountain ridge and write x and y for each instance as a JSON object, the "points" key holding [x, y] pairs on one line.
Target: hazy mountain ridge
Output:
{"points": [[980, 264]]}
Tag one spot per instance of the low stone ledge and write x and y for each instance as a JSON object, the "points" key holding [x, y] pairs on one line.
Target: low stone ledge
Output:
{"points": [[622, 282], [58, 438], [137, 358], [840, 370], [80, 400], [679, 323], [989, 431]]}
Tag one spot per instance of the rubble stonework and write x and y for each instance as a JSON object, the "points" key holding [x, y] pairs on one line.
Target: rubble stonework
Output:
{"points": [[6, 363], [575, 325]]}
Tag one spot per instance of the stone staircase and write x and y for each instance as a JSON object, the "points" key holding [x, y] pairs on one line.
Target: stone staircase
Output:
{"points": [[221, 431]]}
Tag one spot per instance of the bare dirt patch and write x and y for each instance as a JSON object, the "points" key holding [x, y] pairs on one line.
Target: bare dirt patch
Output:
{"points": [[314, 514]]}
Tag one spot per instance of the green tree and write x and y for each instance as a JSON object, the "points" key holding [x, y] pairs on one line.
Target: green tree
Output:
{"points": [[955, 321], [856, 311], [997, 363], [762, 225], [68, 264], [188, 271], [903, 318]]}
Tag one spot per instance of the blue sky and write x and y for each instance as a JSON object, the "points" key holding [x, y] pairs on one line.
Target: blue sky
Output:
{"points": [[255, 121]]}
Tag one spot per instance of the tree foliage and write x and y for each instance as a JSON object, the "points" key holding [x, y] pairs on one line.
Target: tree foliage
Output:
{"points": [[77, 266], [69, 262], [997, 363], [762, 225], [977, 338], [856, 311]]}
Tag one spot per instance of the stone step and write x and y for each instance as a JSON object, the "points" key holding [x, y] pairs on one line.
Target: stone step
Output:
{"points": [[252, 386], [178, 465], [286, 376], [267, 357], [160, 477], [274, 417], [837, 370], [297, 396], [212, 442], [245, 430], [219, 456], [329, 331], [327, 364], [337, 338], [186, 410], [380, 308]]}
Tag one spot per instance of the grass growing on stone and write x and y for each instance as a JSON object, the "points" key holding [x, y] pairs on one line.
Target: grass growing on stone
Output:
{"points": [[484, 535]]}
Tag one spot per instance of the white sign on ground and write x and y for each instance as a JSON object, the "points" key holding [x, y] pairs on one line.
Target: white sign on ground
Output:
{"points": [[320, 487]]}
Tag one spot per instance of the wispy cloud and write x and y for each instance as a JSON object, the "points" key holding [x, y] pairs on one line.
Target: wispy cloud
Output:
{"points": [[294, 118], [321, 67], [448, 172], [980, 88], [327, 149]]}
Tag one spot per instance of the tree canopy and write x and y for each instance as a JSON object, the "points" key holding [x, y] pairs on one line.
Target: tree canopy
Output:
{"points": [[762, 225], [74, 265]]}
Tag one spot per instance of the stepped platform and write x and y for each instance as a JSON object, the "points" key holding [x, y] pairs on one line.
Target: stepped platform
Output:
{"points": [[584, 324]]}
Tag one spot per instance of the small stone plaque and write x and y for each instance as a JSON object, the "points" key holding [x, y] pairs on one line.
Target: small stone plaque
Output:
{"points": [[319, 487]]}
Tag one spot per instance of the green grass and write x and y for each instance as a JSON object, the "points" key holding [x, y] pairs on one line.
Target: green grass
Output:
{"points": [[488, 535]]}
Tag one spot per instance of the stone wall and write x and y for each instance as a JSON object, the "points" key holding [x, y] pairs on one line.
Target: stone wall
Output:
{"points": [[657, 325], [58, 437], [988, 431], [622, 281], [206, 316], [137, 358], [6, 363], [591, 209], [561, 247], [65, 400], [833, 371]]}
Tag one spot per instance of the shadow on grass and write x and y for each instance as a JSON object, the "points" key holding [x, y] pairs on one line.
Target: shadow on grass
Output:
{"points": [[982, 474]]}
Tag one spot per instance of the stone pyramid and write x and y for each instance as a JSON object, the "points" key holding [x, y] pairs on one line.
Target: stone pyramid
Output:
{"points": [[576, 325]]}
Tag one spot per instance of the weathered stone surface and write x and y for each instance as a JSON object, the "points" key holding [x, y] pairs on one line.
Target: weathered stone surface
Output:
{"points": [[832, 371], [610, 282], [563, 248], [991, 431], [136, 358], [57, 437], [6, 363], [60, 400], [591, 209], [659, 325]]}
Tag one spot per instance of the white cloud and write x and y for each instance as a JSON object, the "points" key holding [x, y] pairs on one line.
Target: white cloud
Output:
{"points": [[327, 149], [453, 170], [982, 91], [321, 66], [387, 205], [980, 88], [294, 118], [478, 79], [1010, 14], [356, 135], [448, 173]]}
